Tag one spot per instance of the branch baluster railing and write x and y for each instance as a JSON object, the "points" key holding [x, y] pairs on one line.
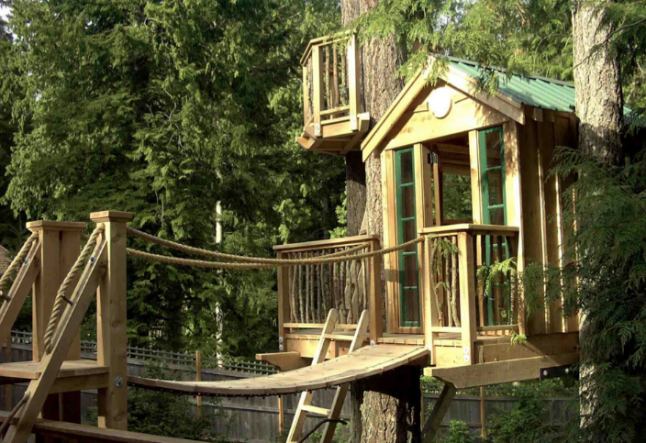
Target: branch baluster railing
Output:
{"points": [[331, 79], [307, 292], [469, 283]]}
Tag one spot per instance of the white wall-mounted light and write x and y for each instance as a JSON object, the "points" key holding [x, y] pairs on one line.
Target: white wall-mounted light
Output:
{"points": [[440, 102]]}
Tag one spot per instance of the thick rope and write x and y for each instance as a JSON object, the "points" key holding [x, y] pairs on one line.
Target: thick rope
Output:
{"points": [[16, 263], [276, 263], [61, 297], [230, 257], [13, 413]]}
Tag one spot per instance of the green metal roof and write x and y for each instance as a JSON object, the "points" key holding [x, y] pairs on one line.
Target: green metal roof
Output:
{"points": [[535, 91], [532, 90]]}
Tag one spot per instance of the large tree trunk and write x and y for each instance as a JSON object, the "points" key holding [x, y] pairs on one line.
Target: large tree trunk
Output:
{"points": [[355, 174], [599, 107], [386, 408], [598, 94]]}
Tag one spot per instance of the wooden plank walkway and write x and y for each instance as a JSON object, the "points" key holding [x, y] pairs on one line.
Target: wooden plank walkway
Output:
{"points": [[364, 362]]}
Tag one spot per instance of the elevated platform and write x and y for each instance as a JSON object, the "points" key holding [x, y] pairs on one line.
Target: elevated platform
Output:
{"points": [[362, 363]]}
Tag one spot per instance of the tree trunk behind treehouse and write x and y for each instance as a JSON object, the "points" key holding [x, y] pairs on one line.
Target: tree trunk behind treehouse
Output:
{"points": [[598, 93], [355, 174], [599, 107], [385, 408]]}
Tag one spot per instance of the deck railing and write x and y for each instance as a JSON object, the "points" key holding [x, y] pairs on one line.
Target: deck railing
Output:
{"points": [[331, 80], [307, 292], [469, 286]]}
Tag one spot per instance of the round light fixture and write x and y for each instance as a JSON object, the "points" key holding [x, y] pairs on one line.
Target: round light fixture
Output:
{"points": [[440, 102]]}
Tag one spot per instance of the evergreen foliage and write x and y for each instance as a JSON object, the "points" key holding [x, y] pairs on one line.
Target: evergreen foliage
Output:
{"points": [[165, 109]]}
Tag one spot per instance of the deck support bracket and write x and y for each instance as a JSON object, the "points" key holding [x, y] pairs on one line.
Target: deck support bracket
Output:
{"points": [[440, 409]]}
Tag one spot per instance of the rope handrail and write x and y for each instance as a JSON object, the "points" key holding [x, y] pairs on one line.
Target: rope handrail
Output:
{"points": [[16, 263], [61, 296], [221, 255], [276, 262]]}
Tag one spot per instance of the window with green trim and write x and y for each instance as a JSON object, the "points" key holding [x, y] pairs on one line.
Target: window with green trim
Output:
{"points": [[407, 231], [494, 212]]}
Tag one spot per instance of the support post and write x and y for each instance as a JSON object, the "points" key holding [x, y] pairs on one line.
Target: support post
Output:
{"points": [[467, 295], [283, 301], [376, 302], [437, 414], [353, 81], [483, 414], [111, 322], [60, 246], [198, 377]]}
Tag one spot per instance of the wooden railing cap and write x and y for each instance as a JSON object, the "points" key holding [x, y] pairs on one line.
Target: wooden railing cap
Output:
{"points": [[329, 243], [49, 225], [111, 216], [464, 227]]}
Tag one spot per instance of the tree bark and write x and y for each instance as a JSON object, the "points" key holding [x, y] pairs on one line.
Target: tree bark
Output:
{"points": [[386, 408], [598, 92], [355, 173], [599, 107]]}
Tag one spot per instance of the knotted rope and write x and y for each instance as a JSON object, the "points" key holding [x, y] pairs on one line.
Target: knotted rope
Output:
{"points": [[275, 262], [61, 296], [220, 255], [15, 264], [13, 413]]}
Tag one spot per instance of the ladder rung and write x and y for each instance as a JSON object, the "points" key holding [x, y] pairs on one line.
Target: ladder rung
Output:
{"points": [[316, 410], [339, 337]]}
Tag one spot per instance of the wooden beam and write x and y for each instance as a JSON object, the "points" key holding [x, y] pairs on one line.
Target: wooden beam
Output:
{"points": [[376, 301], [440, 409], [317, 87], [484, 374], [112, 340], [353, 80], [284, 361], [78, 432]]}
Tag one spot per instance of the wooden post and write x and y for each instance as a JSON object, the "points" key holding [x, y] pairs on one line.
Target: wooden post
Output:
{"points": [[437, 414], [281, 414], [467, 295], [283, 302], [317, 87], [198, 377], [60, 246], [353, 81], [112, 339], [483, 414], [376, 302]]}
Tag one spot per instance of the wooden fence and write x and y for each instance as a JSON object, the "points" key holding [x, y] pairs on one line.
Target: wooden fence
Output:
{"points": [[255, 419]]}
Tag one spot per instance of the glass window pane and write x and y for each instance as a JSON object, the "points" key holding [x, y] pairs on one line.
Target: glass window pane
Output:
{"points": [[497, 216], [407, 167], [411, 302], [492, 140], [410, 233], [408, 201], [494, 179], [456, 195], [410, 270]]}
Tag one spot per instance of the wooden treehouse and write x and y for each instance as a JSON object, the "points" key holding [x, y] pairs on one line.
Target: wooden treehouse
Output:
{"points": [[467, 173], [465, 186]]}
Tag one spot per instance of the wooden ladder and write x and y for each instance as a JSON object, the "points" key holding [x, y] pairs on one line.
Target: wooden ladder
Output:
{"points": [[305, 404]]}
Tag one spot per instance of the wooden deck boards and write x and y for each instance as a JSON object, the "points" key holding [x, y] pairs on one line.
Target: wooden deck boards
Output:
{"points": [[363, 363], [30, 370]]}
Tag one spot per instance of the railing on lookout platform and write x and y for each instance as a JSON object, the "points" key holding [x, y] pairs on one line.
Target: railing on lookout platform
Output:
{"points": [[469, 286], [306, 292]]}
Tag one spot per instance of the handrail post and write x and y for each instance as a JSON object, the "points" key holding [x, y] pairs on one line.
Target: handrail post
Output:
{"points": [[317, 87], [353, 80], [112, 341], [376, 299], [467, 295], [283, 302], [60, 245]]}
